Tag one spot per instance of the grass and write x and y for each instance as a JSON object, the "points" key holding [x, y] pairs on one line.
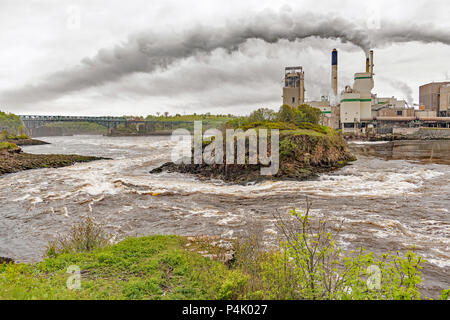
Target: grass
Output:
{"points": [[7, 146], [4, 135], [307, 265], [167, 267], [154, 267]]}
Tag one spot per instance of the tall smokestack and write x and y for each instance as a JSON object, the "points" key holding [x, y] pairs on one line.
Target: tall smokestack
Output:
{"points": [[367, 64], [334, 71], [302, 87], [371, 62]]}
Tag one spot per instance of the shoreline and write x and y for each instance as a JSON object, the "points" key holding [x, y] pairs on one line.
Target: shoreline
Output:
{"points": [[15, 160]]}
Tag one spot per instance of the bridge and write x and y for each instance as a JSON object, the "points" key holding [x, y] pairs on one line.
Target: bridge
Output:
{"points": [[141, 126], [35, 121]]}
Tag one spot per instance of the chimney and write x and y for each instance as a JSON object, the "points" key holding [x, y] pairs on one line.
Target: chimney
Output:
{"points": [[371, 62], [367, 65], [334, 72], [302, 87]]}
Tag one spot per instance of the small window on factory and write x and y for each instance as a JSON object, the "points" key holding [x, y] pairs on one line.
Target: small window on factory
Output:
{"points": [[399, 113], [293, 100]]}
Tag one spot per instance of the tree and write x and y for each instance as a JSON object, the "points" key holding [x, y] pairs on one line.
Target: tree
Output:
{"points": [[262, 114], [286, 114], [310, 114]]}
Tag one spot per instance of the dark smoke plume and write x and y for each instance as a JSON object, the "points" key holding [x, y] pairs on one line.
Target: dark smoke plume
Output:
{"points": [[147, 51]]}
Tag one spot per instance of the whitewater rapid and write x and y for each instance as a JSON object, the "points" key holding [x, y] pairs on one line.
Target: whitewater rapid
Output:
{"points": [[386, 202]]}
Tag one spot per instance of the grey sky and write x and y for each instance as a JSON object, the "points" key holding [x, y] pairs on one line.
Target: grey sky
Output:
{"points": [[140, 57]]}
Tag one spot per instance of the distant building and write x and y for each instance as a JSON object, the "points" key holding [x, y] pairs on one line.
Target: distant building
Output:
{"points": [[444, 102], [294, 86], [330, 114], [430, 97]]}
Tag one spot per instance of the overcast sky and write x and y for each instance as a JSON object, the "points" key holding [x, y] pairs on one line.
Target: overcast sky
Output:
{"points": [[140, 57]]}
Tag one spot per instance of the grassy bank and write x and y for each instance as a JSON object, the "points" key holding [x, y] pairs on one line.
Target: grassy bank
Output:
{"points": [[156, 267], [307, 265], [19, 140]]}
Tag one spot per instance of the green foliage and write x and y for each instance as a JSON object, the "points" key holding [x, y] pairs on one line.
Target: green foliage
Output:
{"points": [[268, 125], [7, 146], [233, 287], [11, 122], [5, 135], [302, 114], [310, 114], [262, 115], [84, 236], [310, 265], [445, 294], [287, 118], [154, 267], [314, 127], [190, 117], [79, 127]]}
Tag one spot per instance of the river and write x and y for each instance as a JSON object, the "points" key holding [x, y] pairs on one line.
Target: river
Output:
{"points": [[397, 194]]}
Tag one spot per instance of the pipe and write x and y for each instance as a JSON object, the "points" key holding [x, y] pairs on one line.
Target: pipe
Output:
{"points": [[395, 118], [439, 119], [367, 65]]}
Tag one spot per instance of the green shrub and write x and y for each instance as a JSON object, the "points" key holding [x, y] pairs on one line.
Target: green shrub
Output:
{"points": [[233, 286], [7, 146], [83, 237], [310, 265]]}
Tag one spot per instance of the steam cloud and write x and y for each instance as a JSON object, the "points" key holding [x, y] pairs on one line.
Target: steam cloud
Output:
{"points": [[147, 51], [404, 88]]}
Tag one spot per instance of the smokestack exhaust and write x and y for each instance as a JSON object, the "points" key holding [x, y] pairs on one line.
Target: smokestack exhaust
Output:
{"points": [[371, 62], [334, 72]]}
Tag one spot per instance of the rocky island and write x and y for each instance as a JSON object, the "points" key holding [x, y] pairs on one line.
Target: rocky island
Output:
{"points": [[305, 149]]}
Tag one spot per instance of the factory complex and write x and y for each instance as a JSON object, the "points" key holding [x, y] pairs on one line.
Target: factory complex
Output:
{"points": [[357, 110]]}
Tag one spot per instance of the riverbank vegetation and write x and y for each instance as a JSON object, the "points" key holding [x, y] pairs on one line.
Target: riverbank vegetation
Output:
{"points": [[10, 122], [19, 140], [190, 117], [72, 128], [308, 264], [7, 146]]}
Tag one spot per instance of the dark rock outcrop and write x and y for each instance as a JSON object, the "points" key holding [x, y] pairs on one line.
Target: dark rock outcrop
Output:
{"points": [[303, 155]]}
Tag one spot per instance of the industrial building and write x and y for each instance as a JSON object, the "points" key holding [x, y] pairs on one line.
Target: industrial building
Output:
{"points": [[434, 96], [294, 86], [356, 108]]}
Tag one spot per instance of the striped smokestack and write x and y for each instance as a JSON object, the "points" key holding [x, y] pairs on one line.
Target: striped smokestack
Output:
{"points": [[334, 72]]}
